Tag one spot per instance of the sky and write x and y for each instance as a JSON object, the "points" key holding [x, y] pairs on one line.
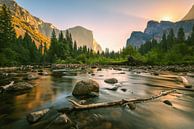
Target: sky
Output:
{"points": [[111, 21]]}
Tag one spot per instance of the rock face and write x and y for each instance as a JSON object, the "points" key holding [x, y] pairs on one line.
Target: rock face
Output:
{"points": [[138, 38], [40, 31], [84, 37], [86, 88], [155, 30], [190, 15]]}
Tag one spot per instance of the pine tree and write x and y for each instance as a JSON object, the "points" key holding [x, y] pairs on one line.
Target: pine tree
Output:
{"points": [[192, 37], [181, 35], [163, 43], [170, 39], [7, 32], [52, 56], [75, 46], [61, 37]]}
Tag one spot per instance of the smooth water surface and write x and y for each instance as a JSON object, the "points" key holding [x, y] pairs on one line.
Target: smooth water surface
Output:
{"points": [[54, 92]]}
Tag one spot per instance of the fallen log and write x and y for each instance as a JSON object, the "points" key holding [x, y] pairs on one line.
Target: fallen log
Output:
{"points": [[77, 106], [35, 116], [3, 88]]}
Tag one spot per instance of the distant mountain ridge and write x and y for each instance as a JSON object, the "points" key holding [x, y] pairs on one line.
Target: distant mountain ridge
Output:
{"points": [[155, 30], [40, 31]]}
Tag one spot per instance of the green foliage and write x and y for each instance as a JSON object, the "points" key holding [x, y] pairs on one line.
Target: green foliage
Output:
{"points": [[7, 33], [170, 50]]}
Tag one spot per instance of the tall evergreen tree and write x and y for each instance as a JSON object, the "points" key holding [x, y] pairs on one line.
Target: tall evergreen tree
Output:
{"points": [[170, 39], [61, 37], [164, 44], [7, 32], [52, 56], [192, 37], [181, 35]]}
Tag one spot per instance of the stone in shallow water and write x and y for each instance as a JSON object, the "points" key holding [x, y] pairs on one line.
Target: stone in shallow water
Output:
{"points": [[188, 86], [167, 102], [99, 69], [131, 106], [31, 77], [63, 119], [20, 86], [124, 90], [86, 88], [111, 81]]}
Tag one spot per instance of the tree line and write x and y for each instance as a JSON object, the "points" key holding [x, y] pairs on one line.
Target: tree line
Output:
{"points": [[171, 49], [23, 50]]}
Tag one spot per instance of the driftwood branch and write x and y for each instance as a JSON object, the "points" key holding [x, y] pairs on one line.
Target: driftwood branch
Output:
{"points": [[3, 88], [77, 106]]}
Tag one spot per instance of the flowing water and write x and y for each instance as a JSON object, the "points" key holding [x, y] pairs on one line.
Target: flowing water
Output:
{"points": [[54, 92]]}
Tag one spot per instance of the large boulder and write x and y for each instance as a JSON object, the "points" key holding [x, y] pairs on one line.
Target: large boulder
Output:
{"points": [[111, 81], [20, 86], [86, 88]]}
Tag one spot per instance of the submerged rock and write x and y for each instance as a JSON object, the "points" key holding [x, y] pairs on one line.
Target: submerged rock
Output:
{"points": [[86, 88], [167, 102], [111, 81], [113, 88]]}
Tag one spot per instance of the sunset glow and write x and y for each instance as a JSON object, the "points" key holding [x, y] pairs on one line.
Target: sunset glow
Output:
{"points": [[167, 18]]}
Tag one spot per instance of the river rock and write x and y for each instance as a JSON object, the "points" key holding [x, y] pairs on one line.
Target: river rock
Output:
{"points": [[124, 90], [86, 88], [93, 74], [82, 101], [131, 106], [99, 69], [167, 102], [188, 86], [122, 73], [118, 69], [31, 77], [20, 86], [111, 81], [62, 119], [44, 73]]}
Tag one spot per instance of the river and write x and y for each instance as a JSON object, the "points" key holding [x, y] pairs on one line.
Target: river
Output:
{"points": [[54, 92]]}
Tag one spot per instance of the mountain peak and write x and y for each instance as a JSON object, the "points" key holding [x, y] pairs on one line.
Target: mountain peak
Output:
{"points": [[189, 15], [40, 31]]}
